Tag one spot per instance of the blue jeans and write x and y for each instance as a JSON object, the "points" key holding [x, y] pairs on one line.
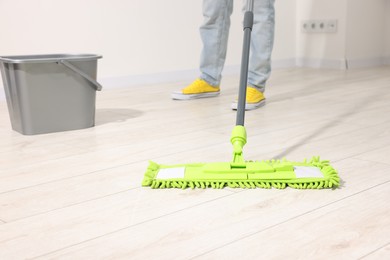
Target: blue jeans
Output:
{"points": [[215, 32]]}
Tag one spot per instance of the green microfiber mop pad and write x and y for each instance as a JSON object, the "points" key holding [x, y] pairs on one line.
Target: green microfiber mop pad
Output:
{"points": [[313, 174]]}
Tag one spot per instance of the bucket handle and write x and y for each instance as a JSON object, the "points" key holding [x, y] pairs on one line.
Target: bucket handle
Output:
{"points": [[97, 85]]}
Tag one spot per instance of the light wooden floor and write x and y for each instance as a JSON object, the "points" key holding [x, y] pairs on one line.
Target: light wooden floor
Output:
{"points": [[77, 194]]}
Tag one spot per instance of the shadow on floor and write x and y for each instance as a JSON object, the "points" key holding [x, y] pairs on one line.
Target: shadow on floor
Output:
{"points": [[355, 108], [111, 115]]}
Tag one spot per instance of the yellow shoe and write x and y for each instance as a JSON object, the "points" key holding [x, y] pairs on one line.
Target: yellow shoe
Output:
{"points": [[197, 89], [254, 99]]}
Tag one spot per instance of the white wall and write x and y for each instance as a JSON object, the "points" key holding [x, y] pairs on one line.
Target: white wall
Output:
{"points": [[321, 49], [285, 33], [362, 39], [366, 32], [134, 36]]}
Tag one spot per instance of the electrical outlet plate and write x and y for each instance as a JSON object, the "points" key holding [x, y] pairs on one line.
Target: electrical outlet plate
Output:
{"points": [[319, 26]]}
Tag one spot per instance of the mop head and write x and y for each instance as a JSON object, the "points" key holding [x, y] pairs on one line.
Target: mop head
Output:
{"points": [[313, 174]]}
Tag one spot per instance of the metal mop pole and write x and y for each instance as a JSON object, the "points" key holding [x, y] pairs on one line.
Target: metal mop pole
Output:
{"points": [[248, 23]]}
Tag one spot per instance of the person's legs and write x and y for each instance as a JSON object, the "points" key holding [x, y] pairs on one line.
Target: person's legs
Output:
{"points": [[262, 39], [214, 34]]}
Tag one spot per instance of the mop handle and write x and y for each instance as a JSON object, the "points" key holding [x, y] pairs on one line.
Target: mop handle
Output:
{"points": [[248, 23]]}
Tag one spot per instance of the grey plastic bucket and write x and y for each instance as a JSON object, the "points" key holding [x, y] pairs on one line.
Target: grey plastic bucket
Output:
{"points": [[50, 93]]}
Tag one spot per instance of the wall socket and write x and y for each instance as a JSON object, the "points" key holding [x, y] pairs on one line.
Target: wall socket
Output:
{"points": [[319, 26]]}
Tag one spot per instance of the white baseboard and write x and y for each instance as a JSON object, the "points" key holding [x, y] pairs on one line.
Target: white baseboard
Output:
{"points": [[342, 64], [368, 63], [157, 78], [321, 63], [147, 79], [283, 64]]}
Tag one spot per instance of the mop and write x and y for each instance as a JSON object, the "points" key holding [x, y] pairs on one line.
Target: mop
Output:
{"points": [[307, 174]]}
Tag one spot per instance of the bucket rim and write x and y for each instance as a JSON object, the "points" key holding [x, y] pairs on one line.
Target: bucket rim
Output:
{"points": [[43, 58]]}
